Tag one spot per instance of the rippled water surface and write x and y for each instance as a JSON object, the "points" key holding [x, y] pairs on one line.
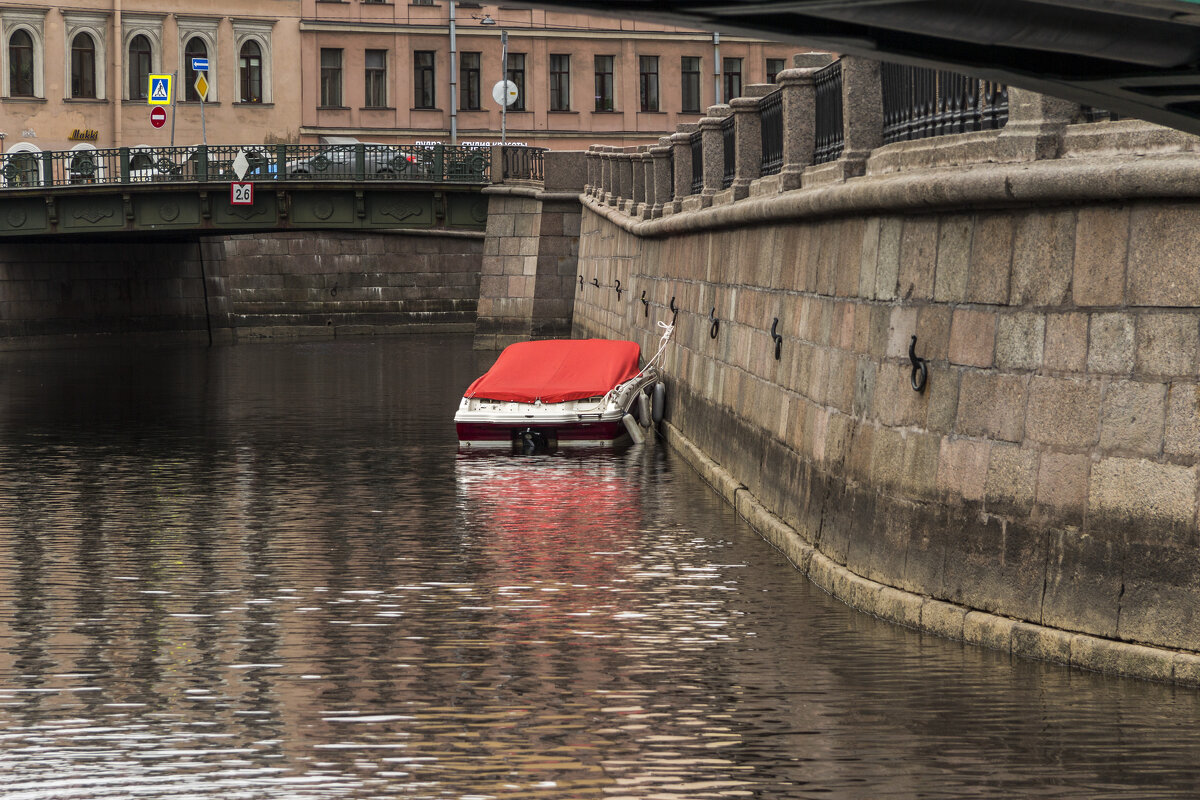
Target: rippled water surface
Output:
{"points": [[265, 572]]}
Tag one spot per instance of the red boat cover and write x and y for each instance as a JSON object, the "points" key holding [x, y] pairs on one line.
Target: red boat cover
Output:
{"points": [[557, 370]]}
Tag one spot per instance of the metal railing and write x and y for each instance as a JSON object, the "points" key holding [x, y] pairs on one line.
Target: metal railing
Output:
{"points": [[524, 163], [830, 135], [729, 148], [919, 103], [771, 108], [1093, 114], [215, 163]]}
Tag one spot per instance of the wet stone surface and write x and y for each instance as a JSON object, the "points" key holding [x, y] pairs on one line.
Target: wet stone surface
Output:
{"points": [[265, 571]]}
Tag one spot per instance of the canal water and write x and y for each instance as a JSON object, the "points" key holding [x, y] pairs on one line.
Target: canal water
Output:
{"points": [[265, 571]]}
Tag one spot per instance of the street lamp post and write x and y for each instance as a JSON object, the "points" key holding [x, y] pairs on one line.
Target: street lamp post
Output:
{"points": [[487, 20]]}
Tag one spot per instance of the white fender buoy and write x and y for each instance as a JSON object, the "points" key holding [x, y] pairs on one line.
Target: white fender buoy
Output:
{"points": [[660, 402], [635, 432], [643, 409]]}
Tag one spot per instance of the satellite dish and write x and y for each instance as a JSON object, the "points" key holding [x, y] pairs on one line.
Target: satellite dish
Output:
{"points": [[505, 93]]}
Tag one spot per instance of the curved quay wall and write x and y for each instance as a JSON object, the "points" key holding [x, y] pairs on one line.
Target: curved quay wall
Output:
{"points": [[1040, 496]]}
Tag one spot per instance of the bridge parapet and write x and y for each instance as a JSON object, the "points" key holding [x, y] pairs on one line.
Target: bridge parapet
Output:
{"points": [[216, 163]]}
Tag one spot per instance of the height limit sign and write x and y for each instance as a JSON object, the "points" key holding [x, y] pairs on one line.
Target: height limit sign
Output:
{"points": [[241, 194]]}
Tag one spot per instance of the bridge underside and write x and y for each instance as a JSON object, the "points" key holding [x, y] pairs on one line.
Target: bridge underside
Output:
{"points": [[110, 209], [1134, 57]]}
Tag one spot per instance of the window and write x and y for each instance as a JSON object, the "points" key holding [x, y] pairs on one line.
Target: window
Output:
{"points": [[423, 94], [516, 74], [250, 72], [195, 49], [83, 66], [560, 83], [604, 83], [140, 66], [689, 81], [20, 64], [468, 68], [774, 67], [422, 2], [732, 69], [331, 77], [648, 67], [375, 79]]}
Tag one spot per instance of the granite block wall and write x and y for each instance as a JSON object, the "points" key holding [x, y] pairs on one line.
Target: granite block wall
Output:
{"points": [[59, 293], [299, 284], [1046, 477], [224, 288]]}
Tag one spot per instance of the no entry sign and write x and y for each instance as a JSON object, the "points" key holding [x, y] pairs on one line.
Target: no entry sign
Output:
{"points": [[158, 116]]}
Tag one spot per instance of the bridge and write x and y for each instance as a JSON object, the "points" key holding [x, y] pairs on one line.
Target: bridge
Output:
{"points": [[175, 190]]}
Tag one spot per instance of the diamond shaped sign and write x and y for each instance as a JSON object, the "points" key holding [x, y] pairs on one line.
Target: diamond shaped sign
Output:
{"points": [[201, 85], [241, 164]]}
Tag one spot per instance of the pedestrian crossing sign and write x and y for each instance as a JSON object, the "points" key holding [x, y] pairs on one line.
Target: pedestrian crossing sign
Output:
{"points": [[161, 88]]}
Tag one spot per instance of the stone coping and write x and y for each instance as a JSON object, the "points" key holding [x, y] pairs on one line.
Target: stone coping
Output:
{"points": [[1051, 182], [533, 191], [925, 613]]}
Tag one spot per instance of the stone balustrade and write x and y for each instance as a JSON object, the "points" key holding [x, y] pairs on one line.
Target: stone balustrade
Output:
{"points": [[637, 180]]}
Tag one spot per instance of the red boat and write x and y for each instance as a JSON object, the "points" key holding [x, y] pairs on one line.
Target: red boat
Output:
{"points": [[543, 395]]}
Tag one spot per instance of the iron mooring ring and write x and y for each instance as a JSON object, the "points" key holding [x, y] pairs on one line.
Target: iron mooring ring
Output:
{"points": [[920, 368], [674, 311], [618, 288], [645, 304], [596, 282], [714, 323], [581, 283], [777, 337]]}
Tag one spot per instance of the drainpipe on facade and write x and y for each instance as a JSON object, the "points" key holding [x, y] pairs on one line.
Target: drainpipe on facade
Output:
{"points": [[114, 87], [717, 68], [453, 79]]}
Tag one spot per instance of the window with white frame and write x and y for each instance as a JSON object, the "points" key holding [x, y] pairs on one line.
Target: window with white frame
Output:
{"points": [[141, 39], [81, 30], [24, 48], [253, 41], [198, 39]]}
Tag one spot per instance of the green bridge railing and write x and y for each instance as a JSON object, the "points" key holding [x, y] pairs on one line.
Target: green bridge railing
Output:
{"points": [[216, 163]]}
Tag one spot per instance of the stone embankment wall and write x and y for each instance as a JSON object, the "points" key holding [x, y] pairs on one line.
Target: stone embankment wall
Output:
{"points": [[289, 284], [62, 293], [1041, 494], [326, 284]]}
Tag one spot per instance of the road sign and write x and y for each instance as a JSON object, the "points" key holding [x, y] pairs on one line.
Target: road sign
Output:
{"points": [[241, 194], [158, 116], [161, 87], [505, 93], [201, 85], [200, 65]]}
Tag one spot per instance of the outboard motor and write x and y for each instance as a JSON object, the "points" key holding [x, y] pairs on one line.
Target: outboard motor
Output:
{"points": [[531, 441]]}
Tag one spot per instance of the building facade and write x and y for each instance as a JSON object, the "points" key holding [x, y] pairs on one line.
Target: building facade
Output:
{"points": [[425, 71], [305, 70], [79, 75]]}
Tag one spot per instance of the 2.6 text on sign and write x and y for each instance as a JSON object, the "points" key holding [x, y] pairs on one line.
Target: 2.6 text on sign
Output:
{"points": [[241, 194]]}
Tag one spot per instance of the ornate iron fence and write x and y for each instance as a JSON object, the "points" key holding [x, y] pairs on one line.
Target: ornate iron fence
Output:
{"points": [[771, 109], [919, 103], [729, 149], [1093, 114], [697, 144], [830, 136], [523, 163], [218, 163]]}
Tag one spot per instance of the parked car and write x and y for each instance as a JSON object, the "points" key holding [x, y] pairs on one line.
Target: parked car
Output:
{"points": [[381, 160]]}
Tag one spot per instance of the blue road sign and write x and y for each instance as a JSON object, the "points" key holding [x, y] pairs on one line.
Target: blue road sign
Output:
{"points": [[200, 64], [160, 90]]}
